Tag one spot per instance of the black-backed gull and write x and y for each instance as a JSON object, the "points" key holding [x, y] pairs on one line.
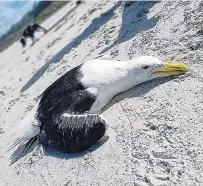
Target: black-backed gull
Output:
{"points": [[68, 116]]}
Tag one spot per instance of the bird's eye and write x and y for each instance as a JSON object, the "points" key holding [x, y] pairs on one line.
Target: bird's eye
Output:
{"points": [[145, 67]]}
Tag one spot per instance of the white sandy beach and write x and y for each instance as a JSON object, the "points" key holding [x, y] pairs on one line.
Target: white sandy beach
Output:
{"points": [[155, 136]]}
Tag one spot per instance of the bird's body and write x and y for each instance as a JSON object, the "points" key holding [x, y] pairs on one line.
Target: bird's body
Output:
{"points": [[62, 108], [68, 117]]}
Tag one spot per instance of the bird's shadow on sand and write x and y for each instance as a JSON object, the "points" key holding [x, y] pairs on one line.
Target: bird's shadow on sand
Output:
{"points": [[139, 90], [17, 154], [94, 26]]}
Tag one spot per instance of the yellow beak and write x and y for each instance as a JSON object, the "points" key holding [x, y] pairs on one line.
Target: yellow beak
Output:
{"points": [[173, 69]]}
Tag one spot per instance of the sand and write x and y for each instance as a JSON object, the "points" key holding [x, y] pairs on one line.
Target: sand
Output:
{"points": [[155, 136]]}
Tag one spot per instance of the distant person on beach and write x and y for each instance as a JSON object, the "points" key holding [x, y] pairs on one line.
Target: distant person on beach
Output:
{"points": [[29, 33]]}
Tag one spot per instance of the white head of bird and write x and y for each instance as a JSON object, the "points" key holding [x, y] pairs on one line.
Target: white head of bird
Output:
{"points": [[147, 67], [121, 75]]}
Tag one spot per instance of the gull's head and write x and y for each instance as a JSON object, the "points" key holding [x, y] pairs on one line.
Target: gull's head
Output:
{"points": [[145, 68]]}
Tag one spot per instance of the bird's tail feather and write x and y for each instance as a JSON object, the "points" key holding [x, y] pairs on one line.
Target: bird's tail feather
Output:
{"points": [[23, 149], [24, 134], [29, 144]]}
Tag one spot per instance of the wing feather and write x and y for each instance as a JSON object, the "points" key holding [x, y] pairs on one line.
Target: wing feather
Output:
{"points": [[74, 133]]}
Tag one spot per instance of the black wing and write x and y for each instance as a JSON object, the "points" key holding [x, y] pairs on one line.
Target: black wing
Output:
{"points": [[65, 95], [73, 133], [68, 82], [67, 102]]}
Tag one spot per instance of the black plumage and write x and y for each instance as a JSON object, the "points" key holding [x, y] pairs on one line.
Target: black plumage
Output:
{"points": [[61, 113]]}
